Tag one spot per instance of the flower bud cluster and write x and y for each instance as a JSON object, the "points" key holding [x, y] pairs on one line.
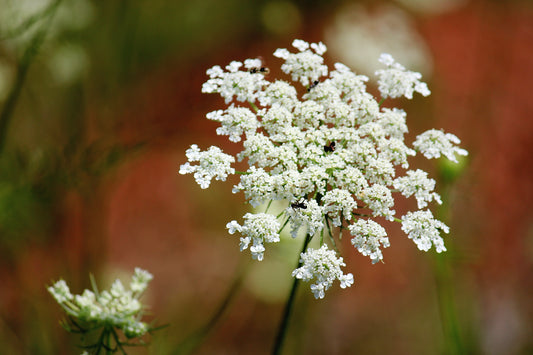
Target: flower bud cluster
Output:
{"points": [[119, 307], [329, 149]]}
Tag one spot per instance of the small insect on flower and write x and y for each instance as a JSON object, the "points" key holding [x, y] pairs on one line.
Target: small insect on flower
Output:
{"points": [[301, 204], [315, 83], [262, 69], [330, 147]]}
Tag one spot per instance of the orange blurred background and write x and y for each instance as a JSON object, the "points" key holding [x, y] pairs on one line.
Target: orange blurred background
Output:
{"points": [[92, 135]]}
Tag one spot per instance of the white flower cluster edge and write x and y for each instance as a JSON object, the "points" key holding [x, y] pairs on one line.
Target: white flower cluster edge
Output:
{"points": [[329, 149]]}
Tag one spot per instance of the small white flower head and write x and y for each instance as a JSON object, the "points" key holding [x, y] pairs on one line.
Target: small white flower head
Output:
{"points": [[424, 230], [279, 92], [379, 170], [89, 308], [369, 236], [379, 199], [305, 213], [396, 81], [351, 85], [213, 163], [117, 289], [351, 179], [314, 178], [242, 86], [417, 183], [323, 266], [277, 120], [61, 292], [395, 151], [393, 122], [235, 121], [339, 204], [257, 186], [140, 279], [305, 66], [434, 143], [135, 329], [252, 63], [257, 229]]}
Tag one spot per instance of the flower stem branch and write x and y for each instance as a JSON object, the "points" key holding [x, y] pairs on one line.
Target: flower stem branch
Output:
{"points": [[282, 330]]}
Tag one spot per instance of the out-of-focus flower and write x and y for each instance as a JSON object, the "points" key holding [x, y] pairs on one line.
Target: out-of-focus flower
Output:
{"points": [[118, 308]]}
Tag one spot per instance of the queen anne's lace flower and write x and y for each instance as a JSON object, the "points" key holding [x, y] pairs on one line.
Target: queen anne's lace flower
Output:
{"points": [[368, 235], [339, 204], [396, 81], [423, 229], [309, 214], [434, 143], [235, 121], [213, 164], [60, 291], [257, 229], [306, 66], [417, 183], [140, 280], [328, 149], [323, 266]]}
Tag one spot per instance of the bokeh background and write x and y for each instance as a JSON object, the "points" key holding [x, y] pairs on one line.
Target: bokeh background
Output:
{"points": [[100, 99]]}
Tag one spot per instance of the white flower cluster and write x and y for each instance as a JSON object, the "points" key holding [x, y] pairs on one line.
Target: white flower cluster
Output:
{"points": [[258, 228], [434, 143], [395, 81], [118, 307], [324, 266], [368, 237], [423, 229], [328, 149], [213, 164]]}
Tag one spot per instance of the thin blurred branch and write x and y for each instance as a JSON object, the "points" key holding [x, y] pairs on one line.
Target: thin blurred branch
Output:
{"points": [[192, 342], [30, 21], [25, 62]]}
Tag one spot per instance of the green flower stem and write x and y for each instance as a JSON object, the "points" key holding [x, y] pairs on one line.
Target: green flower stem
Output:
{"points": [[117, 341], [282, 330]]}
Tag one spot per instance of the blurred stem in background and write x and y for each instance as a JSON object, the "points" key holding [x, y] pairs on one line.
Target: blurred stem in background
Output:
{"points": [[443, 268], [24, 64], [190, 344]]}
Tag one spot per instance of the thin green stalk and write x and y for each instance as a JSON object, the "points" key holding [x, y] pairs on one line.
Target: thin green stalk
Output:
{"points": [[282, 330], [443, 274], [117, 341], [107, 345], [22, 71], [191, 343], [29, 22], [447, 308]]}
